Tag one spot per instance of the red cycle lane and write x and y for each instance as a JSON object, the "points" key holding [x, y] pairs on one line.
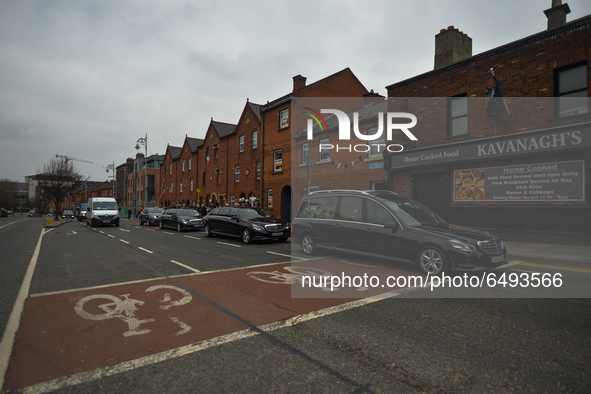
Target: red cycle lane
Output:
{"points": [[72, 332]]}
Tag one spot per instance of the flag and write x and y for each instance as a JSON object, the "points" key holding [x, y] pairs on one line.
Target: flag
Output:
{"points": [[495, 95]]}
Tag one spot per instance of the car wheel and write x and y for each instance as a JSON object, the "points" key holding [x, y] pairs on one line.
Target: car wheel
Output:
{"points": [[161, 226], [432, 260], [179, 227], [141, 223], [308, 244], [207, 231], [246, 236]]}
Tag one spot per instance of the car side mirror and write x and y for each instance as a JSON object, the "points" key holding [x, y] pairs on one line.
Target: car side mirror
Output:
{"points": [[393, 225], [234, 217]]}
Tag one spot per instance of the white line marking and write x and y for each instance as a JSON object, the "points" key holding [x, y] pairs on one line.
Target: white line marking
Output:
{"points": [[150, 229], [185, 266], [109, 235], [223, 243], [101, 231], [74, 232], [166, 232], [145, 250], [126, 366], [188, 236], [13, 324], [8, 224], [127, 231], [287, 255], [122, 240]]}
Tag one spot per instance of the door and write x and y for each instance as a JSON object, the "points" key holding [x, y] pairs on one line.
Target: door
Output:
{"points": [[433, 190]]}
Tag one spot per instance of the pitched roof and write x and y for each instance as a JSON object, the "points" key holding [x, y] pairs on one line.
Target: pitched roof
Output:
{"points": [[175, 151], [224, 129], [194, 143], [256, 108]]}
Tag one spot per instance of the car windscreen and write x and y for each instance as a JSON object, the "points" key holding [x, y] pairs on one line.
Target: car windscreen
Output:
{"points": [[187, 212], [411, 213], [154, 210], [254, 213], [105, 205]]}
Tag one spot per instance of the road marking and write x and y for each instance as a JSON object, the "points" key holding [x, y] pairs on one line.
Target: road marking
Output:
{"points": [[287, 255], [515, 269], [74, 232], [122, 240], [8, 224], [185, 266], [166, 232], [127, 366], [101, 231], [188, 236], [150, 229], [223, 243], [555, 267], [145, 250], [7, 343], [109, 235], [127, 231]]}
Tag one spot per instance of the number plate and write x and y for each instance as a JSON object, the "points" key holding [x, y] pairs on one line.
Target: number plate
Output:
{"points": [[276, 234], [497, 259]]}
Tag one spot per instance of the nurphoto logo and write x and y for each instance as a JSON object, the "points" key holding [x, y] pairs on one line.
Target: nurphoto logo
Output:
{"points": [[344, 124]]}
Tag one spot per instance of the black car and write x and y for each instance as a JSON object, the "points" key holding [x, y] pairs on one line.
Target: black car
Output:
{"points": [[3, 212], [181, 219], [68, 214], [385, 225], [150, 216], [246, 223]]}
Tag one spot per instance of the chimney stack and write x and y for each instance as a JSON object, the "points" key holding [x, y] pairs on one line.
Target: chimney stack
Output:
{"points": [[451, 46], [557, 14], [299, 82]]}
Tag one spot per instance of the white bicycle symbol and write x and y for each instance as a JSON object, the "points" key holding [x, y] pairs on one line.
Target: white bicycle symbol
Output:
{"points": [[293, 275], [125, 308]]}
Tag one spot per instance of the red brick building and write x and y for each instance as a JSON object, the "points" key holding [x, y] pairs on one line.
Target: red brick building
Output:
{"points": [[472, 135], [276, 193]]}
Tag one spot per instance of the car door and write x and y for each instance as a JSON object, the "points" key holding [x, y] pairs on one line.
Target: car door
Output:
{"points": [[231, 224], [168, 218]]}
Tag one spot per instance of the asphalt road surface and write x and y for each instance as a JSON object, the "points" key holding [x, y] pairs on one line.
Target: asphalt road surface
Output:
{"points": [[137, 309]]}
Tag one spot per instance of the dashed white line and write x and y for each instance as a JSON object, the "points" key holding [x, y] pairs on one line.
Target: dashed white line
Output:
{"points": [[188, 236], [109, 235], [166, 232], [145, 250], [185, 266], [223, 243], [127, 231], [122, 240], [287, 255]]}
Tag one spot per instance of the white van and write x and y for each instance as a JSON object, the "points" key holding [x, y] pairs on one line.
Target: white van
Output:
{"points": [[102, 211]]}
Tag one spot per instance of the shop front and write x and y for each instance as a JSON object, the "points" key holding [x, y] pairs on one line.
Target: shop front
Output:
{"points": [[530, 181]]}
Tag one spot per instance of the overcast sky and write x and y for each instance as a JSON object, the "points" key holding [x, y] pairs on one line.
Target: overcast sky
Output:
{"points": [[86, 79]]}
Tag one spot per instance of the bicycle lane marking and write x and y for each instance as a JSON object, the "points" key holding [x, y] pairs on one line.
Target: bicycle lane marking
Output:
{"points": [[73, 332]]}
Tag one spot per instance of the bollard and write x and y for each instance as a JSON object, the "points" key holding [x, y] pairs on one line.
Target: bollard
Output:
{"points": [[49, 218]]}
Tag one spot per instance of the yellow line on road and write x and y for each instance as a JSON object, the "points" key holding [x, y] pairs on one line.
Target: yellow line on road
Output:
{"points": [[555, 267]]}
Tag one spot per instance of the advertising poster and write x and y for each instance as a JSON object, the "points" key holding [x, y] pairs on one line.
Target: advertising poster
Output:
{"points": [[560, 181]]}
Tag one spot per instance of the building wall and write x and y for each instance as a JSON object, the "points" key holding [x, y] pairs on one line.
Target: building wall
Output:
{"points": [[527, 68]]}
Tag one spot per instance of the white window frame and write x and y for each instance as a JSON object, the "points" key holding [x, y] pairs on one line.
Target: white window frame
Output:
{"points": [[255, 139], [258, 170], [241, 143], [237, 174], [275, 170], [269, 198], [284, 118], [305, 152], [321, 152]]}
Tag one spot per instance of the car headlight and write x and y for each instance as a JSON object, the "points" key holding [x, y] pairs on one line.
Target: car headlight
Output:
{"points": [[185, 222], [257, 228], [462, 245]]}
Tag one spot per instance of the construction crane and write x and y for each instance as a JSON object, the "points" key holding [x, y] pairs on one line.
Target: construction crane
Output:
{"points": [[68, 158]]}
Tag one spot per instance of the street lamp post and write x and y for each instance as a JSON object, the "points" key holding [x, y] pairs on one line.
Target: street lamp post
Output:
{"points": [[112, 168], [144, 142]]}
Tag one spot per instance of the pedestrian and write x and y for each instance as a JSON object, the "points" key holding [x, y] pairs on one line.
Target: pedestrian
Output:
{"points": [[129, 213]]}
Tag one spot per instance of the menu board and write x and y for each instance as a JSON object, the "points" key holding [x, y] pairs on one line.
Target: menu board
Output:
{"points": [[561, 181]]}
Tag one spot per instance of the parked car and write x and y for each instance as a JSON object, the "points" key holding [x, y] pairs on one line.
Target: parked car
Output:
{"points": [[384, 224], [181, 219], [150, 216], [31, 213], [3, 212], [67, 214], [246, 223]]}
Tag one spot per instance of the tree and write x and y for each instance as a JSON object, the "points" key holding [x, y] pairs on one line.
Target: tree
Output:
{"points": [[59, 179]]}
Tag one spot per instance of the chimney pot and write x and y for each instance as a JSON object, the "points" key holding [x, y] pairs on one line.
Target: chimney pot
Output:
{"points": [[451, 46], [557, 14], [299, 82]]}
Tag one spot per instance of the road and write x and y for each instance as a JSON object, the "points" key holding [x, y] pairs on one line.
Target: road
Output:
{"points": [[136, 309]]}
